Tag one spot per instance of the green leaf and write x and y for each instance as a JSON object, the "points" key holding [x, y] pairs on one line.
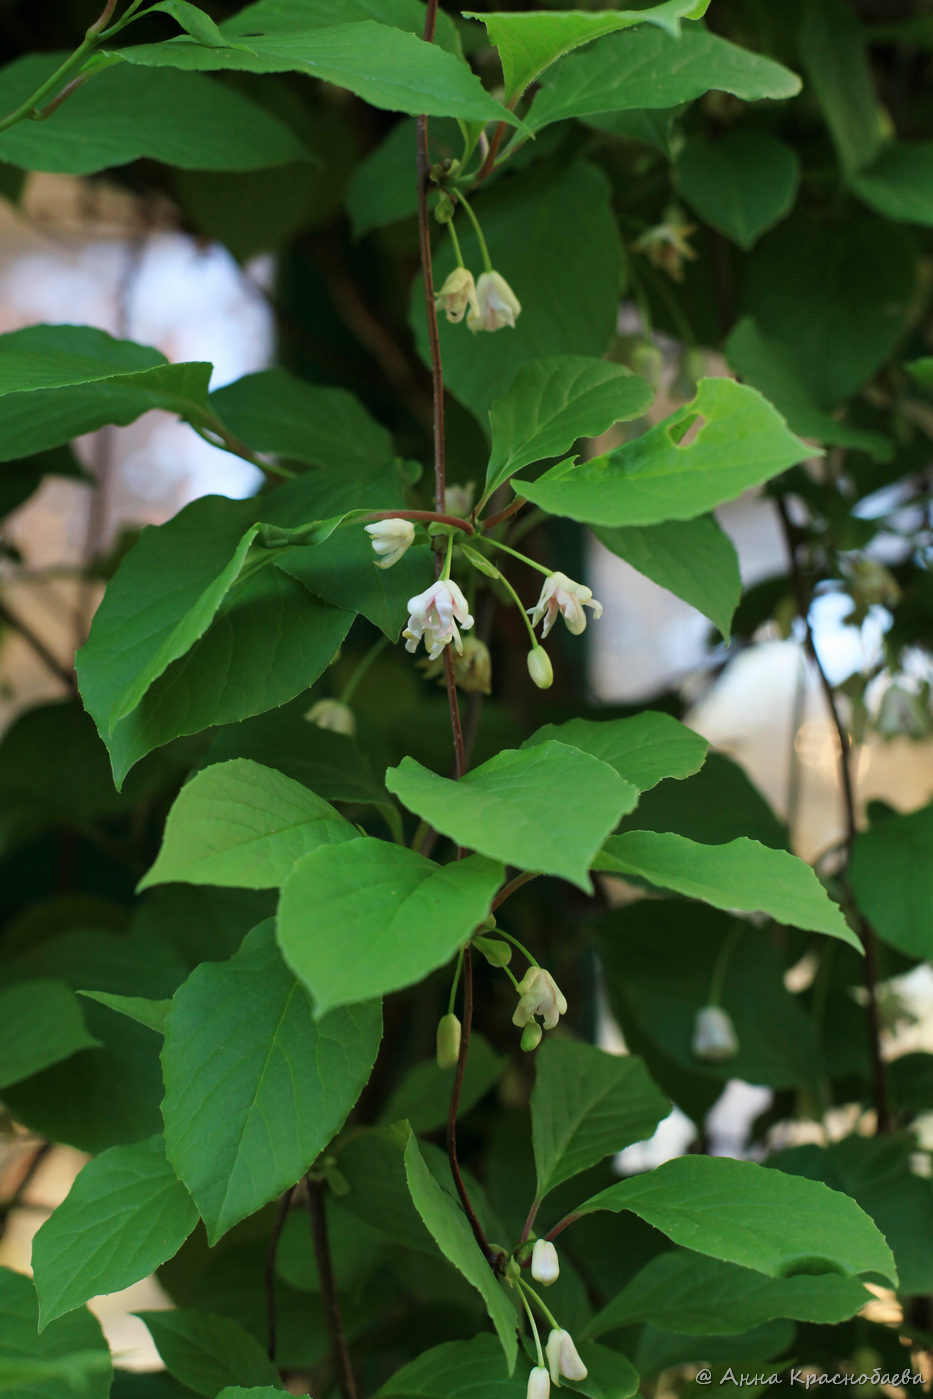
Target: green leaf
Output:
{"points": [[694, 559], [245, 825], [763, 1219], [716, 804], [651, 70], [878, 1173], [20, 479], [832, 50], [208, 1352], [287, 16], [898, 183], [892, 880], [255, 1086], [587, 1105], [125, 1214], [457, 1370], [143, 1011], [643, 749], [770, 368], [568, 302], [270, 638], [391, 917], [835, 341], [529, 43], [659, 957], [422, 1097], [274, 412], [742, 874], [69, 1358], [546, 808], [60, 381], [342, 571], [183, 119], [685, 1292], [551, 402], [236, 1391], [387, 67], [741, 441], [741, 185], [194, 21], [42, 1024], [444, 1217]]}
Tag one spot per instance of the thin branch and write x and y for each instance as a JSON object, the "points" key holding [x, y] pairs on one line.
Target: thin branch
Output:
{"points": [[803, 599], [62, 673], [474, 1223], [506, 514], [429, 517], [340, 1354], [509, 889], [281, 1215], [455, 725], [16, 1200], [491, 154]]}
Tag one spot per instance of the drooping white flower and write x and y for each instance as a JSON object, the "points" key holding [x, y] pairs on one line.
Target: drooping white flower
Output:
{"points": [[540, 668], [457, 295], [563, 1358], [434, 615], [539, 1384], [714, 1036], [332, 714], [561, 594], [390, 539], [539, 994], [497, 304], [545, 1264]]}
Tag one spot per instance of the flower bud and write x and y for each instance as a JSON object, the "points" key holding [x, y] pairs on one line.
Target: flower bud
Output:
{"points": [[390, 539], [540, 668], [496, 952], [458, 500], [562, 1357], [531, 1036], [545, 1265], [714, 1037], [448, 1041], [902, 713], [539, 1384], [334, 715]]}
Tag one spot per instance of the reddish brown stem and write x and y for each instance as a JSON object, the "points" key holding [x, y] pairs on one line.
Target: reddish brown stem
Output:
{"points": [[475, 1225], [503, 515], [281, 1215], [429, 516], [491, 154], [803, 600], [424, 239], [455, 725], [340, 1354], [509, 889]]}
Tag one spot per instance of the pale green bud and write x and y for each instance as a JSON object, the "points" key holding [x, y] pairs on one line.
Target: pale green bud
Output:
{"points": [[496, 952], [540, 668], [448, 1041], [531, 1036]]}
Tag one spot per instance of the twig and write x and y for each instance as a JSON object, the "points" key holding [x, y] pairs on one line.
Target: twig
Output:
{"points": [[509, 889], [506, 514], [866, 933], [281, 1215], [491, 154], [475, 1225], [340, 1355], [455, 725], [429, 517], [60, 672], [16, 1200]]}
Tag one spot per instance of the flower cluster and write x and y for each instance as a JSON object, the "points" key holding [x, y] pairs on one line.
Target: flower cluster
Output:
{"points": [[488, 304]]}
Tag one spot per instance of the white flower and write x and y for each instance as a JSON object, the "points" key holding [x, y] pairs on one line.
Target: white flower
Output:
{"points": [[458, 500], [434, 616], [458, 293], [390, 538], [562, 1357], [714, 1036], [561, 594], [497, 304], [540, 668], [332, 714], [539, 1384], [539, 995], [545, 1265]]}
